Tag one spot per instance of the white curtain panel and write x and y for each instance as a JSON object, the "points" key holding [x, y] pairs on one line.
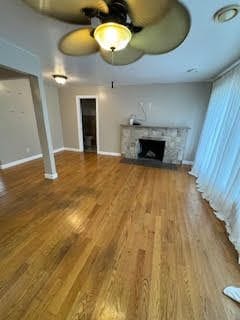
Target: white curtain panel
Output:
{"points": [[217, 163]]}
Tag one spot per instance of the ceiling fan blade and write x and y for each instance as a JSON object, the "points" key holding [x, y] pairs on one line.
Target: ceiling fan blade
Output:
{"points": [[122, 57], [145, 13], [165, 35], [78, 43], [67, 10]]}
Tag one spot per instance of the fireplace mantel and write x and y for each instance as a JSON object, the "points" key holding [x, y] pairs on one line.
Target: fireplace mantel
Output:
{"points": [[153, 126], [175, 138]]}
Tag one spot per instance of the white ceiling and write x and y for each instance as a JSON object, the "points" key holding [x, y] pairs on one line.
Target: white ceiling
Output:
{"points": [[209, 47]]}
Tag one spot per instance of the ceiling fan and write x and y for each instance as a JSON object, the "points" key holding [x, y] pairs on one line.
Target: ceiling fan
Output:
{"points": [[127, 28]]}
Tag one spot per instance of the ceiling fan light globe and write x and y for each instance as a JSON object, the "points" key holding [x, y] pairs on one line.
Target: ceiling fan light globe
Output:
{"points": [[112, 36]]}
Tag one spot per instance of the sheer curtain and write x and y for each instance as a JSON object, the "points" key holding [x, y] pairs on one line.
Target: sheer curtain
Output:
{"points": [[217, 163]]}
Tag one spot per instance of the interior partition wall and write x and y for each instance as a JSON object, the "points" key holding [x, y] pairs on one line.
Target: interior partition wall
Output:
{"points": [[23, 61]]}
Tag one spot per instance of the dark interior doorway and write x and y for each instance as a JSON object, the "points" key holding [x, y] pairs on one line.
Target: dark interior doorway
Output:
{"points": [[88, 107]]}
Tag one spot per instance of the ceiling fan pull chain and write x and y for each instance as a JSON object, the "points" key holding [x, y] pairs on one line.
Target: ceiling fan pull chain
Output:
{"points": [[112, 56]]}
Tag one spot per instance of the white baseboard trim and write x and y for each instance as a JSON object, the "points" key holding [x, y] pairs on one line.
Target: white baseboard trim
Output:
{"points": [[72, 149], [22, 161], [114, 154], [38, 156], [59, 150], [51, 176], [189, 163]]}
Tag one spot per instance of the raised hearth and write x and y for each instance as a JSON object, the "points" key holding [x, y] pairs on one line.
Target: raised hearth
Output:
{"points": [[174, 138]]}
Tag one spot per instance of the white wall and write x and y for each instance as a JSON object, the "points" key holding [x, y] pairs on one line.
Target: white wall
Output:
{"points": [[170, 104], [18, 130], [180, 104]]}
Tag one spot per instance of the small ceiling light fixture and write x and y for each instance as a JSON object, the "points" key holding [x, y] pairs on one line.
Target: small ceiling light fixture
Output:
{"points": [[112, 36], [227, 13], [60, 79], [192, 70]]}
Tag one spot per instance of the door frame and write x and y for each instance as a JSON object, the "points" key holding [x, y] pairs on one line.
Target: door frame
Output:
{"points": [[79, 120]]}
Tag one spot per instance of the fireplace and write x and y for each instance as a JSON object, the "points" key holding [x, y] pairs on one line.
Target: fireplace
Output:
{"points": [[151, 148], [174, 137]]}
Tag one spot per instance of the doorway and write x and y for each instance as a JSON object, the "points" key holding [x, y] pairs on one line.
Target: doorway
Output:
{"points": [[87, 114], [18, 60]]}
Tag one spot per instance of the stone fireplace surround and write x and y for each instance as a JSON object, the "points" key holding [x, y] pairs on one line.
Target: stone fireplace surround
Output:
{"points": [[175, 138]]}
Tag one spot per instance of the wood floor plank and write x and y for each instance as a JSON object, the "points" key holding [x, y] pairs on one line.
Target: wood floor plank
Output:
{"points": [[111, 241]]}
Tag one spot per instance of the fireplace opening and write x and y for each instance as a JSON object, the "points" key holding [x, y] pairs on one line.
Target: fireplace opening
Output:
{"points": [[151, 148]]}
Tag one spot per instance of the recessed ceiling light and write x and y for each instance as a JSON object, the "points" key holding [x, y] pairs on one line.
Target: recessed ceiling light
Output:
{"points": [[226, 14], [60, 79]]}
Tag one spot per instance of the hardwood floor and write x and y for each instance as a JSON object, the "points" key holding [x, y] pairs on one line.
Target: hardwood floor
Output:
{"points": [[111, 241]]}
